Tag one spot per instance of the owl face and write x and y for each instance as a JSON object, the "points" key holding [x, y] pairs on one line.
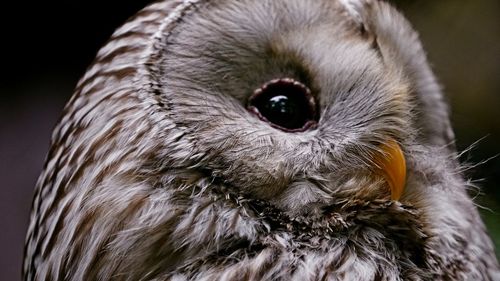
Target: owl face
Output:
{"points": [[289, 101]]}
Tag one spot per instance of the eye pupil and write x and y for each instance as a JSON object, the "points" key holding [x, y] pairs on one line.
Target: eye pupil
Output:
{"points": [[285, 104], [282, 110]]}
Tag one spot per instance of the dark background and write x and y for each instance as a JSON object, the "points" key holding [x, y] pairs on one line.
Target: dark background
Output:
{"points": [[47, 47]]}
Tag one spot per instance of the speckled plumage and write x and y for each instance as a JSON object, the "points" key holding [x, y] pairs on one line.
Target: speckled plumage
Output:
{"points": [[158, 172]]}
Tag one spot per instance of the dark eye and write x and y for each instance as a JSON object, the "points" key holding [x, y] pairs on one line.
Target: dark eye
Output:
{"points": [[285, 104]]}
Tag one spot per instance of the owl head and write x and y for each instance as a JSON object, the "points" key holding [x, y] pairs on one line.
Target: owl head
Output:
{"points": [[294, 102], [273, 139]]}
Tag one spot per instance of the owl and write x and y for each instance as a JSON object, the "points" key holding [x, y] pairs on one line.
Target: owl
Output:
{"points": [[257, 140]]}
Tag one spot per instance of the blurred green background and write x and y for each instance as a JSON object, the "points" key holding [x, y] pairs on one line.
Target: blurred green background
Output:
{"points": [[48, 44]]}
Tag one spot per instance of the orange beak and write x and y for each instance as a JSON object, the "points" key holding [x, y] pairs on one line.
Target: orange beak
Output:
{"points": [[392, 165]]}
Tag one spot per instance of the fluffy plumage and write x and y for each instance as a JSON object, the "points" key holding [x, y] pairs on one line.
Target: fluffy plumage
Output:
{"points": [[157, 171]]}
